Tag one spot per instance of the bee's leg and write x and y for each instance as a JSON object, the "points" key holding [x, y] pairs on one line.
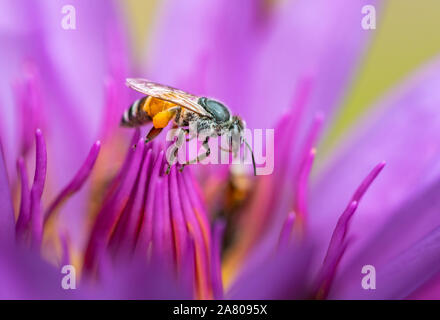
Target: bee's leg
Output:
{"points": [[160, 121], [175, 152], [189, 137], [154, 132], [176, 149], [201, 157], [223, 149]]}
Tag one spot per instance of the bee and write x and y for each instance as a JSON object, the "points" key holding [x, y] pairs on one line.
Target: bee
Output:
{"points": [[163, 104]]}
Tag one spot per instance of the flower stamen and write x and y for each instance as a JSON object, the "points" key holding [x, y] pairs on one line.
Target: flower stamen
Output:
{"points": [[76, 183], [338, 242]]}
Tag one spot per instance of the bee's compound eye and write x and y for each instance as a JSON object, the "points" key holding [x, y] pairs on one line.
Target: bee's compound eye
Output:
{"points": [[217, 109]]}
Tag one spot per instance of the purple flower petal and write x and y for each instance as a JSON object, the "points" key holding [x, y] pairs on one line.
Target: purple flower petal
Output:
{"points": [[151, 196], [177, 218], [278, 276], [338, 243], [24, 275], [335, 252], [187, 274], [159, 223], [400, 276], [286, 231], [36, 219], [202, 244], [71, 68], [403, 131], [128, 231], [7, 224], [40, 164], [162, 231], [112, 209], [65, 255], [217, 237], [137, 280], [300, 205], [25, 200], [30, 207], [405, 226]]}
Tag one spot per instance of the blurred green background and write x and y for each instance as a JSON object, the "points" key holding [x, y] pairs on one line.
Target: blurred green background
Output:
{"points": [[405, 38]]}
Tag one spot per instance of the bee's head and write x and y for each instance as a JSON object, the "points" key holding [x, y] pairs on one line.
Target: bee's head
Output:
{"points": [[218, 110]]}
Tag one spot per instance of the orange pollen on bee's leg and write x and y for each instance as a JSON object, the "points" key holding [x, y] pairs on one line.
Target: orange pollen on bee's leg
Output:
{"points": [[152, 106], [161, 119]]}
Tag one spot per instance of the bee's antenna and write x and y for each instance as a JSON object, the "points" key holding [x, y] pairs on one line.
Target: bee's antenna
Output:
{"points": [[253, 158]]}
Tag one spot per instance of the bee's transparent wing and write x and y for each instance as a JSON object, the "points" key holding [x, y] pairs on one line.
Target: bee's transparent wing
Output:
{"points": [[179, 97]]}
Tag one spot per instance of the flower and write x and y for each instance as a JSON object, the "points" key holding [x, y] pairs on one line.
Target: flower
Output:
{"points": [[133, 231], [156, 220]]}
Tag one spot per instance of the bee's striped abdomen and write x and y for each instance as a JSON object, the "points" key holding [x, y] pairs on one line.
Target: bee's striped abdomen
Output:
{"points": [[135, 115]]}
